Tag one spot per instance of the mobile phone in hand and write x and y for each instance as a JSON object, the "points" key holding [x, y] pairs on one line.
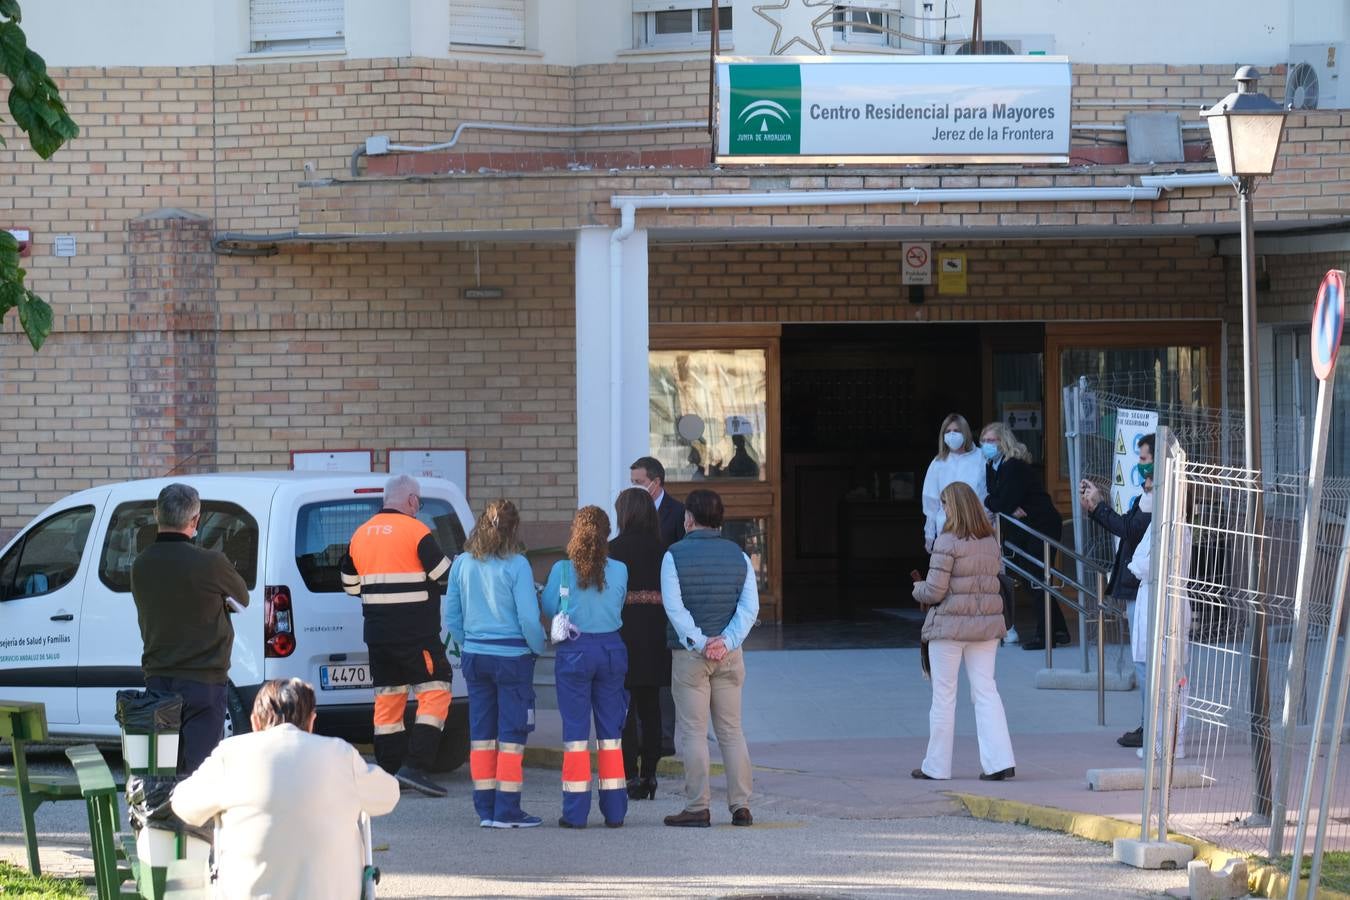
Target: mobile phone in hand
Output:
{"points": [[914, 574], [233, 605]]}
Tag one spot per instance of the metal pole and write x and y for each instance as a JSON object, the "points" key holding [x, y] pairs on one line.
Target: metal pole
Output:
{"points": [[1257, 621], [712, 72], [1307, 557], [1323, 695], [1162, 459], [1333, 756], [1075, 440], [1169, 620], [1101, 649], [1049, 633]]}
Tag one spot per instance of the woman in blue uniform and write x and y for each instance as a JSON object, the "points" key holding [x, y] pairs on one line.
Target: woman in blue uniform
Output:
{"points": [[589, 668]]}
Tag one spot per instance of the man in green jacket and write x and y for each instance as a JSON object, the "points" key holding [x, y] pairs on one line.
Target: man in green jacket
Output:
{"points": [[180, 591]]}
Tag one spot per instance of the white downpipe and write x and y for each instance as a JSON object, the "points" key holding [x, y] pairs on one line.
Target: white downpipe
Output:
{"points": [[899, 196], [627, 224], [1176, 182], [688, 125]]}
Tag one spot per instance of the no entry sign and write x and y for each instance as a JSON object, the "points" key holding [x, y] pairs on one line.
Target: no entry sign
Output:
{"points": [[918, 263], [1327, 323]]}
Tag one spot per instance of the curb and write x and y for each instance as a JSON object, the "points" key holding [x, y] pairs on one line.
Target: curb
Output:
{"points": [[1263, 880]]}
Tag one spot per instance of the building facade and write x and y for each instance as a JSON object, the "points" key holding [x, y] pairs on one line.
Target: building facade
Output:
{"points": [[570, 281]]}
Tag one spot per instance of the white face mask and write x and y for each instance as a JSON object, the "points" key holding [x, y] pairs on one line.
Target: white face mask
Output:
{"points": [[954, 439], [1146, 502]]}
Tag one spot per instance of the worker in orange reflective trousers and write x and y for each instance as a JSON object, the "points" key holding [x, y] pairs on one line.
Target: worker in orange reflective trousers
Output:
{"points": [[589, 668]]}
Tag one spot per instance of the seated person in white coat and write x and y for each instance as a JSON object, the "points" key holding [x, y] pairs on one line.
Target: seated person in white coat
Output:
{"points": [[289, 803]]}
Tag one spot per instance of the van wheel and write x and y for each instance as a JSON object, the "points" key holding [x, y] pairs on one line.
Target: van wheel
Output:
{"points": [[453, 751], [236, 716]]}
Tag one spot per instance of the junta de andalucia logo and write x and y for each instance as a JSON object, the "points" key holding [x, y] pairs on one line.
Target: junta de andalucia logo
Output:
{"points": [[766, 110]]}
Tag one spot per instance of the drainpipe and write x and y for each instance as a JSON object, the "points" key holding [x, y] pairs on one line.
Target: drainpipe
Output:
{"points": [[1130, 193], [627, 224]]}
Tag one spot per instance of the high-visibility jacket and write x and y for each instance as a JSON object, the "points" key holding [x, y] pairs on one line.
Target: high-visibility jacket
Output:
{"points": [[394, 563]]}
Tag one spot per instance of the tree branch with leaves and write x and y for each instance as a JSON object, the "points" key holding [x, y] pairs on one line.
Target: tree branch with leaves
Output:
{"points": [[35, 103]]}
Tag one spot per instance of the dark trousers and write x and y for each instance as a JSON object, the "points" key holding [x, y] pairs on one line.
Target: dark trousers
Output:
{"points": [[642, 733], [203, 718], [419, 666]]}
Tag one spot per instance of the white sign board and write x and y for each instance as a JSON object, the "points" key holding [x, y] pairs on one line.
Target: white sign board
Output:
{"points": [[1127, 482], [740, 425], [916, 265], [915, 109], [450, 464], [1023, 416], [332, 460]]}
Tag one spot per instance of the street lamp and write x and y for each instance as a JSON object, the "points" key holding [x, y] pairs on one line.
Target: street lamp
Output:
{"points": [[1245, 128]]}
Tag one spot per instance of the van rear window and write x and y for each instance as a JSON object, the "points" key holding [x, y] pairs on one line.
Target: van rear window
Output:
{"points": [[323, 531], [223, 526]]}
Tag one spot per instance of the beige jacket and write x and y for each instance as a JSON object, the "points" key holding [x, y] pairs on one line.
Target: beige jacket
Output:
{"points": [[962, 591]]}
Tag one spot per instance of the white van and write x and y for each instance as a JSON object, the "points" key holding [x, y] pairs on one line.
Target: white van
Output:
{"points": [[68, 631]]}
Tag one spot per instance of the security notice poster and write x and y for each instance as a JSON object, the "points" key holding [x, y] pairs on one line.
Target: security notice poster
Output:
{"points": [[1127, 481], [902, 110]]}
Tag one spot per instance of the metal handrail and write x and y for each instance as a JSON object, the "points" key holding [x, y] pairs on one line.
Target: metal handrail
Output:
{"points": [[1051, 581]]}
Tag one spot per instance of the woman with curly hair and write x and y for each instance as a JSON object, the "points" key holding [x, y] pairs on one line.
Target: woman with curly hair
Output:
{"points": [[492, 613], [589, 668]]}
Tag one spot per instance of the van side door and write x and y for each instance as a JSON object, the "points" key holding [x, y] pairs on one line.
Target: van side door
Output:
{"points": [[42, 578]]}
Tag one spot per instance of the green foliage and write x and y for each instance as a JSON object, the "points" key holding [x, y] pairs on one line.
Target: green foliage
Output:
{"points": [[17, 883], [35, 103]]}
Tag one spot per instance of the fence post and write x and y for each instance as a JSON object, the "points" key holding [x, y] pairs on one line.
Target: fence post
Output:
{"points": [[1049, 632], [1077, 439], [1323, 693], [1169, 620], [1307, 555], [1162, 466], [1329, 781], [1101, 649]]}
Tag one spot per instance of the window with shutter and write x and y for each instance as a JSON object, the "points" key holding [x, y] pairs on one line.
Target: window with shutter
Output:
{"points": [[681, 23], [875, 23], [280, 25], [488, 23]]}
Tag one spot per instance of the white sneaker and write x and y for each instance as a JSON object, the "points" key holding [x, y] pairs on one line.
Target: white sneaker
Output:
{"points": [[1179, 754]]}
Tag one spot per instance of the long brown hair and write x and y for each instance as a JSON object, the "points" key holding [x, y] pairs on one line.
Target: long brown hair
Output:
{"points": [[588, 547], [966, 517], [635, 511], [495, 532]]}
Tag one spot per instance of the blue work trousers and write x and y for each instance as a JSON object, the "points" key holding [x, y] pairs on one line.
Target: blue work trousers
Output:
{"points": [[589, 671], [501, 714]]}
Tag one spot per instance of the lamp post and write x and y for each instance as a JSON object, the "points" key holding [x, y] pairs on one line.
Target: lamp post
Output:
{"points": [[1245, 128]]}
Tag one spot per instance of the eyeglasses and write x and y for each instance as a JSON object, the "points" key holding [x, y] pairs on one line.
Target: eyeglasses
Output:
{"points": [[419, 502]]}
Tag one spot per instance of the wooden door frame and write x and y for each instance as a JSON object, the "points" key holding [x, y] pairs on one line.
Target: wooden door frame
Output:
{"points": [[1122, 334], [752, 498]]}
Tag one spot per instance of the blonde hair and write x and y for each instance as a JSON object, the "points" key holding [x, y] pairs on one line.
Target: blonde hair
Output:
{"points": [[966, 517], [588, 547], [1008, 444], [960, 421], [495, 532]]}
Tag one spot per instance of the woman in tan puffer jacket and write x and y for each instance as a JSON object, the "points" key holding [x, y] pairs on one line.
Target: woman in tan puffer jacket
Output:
{"points": [[965, 621]]}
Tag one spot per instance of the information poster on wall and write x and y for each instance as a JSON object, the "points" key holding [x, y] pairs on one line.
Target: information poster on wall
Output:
{"points": [[1127, 481], [450, 463], [332, 460]]}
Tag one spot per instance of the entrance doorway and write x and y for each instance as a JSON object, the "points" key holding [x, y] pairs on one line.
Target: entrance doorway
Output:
{"points": [[861, 407]]}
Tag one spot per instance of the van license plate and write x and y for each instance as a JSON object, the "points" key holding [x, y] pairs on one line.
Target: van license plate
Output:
{"points": [[342, 678]]}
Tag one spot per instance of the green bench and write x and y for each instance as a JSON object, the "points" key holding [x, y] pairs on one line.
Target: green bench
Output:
{"points": [[23, 723], [113, 866]]}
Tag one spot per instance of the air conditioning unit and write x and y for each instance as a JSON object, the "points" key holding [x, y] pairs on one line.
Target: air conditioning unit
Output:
{"points": [[1010, 45], [1312, 78]]}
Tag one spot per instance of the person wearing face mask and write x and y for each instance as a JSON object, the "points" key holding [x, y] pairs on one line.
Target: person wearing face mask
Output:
{"points": [[956, 460], [181, 592], [1123, 585], [1015, 489], [648, 474]]}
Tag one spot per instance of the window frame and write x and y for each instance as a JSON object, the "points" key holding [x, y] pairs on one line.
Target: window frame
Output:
{"points": [[646, 11], [20, 547], [846, 33], [208, 507], [319, 42], [459, 39], [373, 506]]}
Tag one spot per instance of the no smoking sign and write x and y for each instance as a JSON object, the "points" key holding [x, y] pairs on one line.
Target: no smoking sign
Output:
{"points": [[917, 265]]}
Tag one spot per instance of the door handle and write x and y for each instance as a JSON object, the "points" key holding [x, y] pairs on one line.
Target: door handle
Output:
{"points": [[64, 617]]}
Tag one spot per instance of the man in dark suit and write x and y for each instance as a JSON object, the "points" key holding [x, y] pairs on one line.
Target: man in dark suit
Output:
{"points": [[648, 474]]}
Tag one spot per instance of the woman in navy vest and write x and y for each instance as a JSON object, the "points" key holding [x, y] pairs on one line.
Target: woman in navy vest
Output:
{"points": [[639, 547], [589, 668]]}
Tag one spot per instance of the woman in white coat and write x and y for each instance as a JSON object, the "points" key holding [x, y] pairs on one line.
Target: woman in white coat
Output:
{"points": [[1142, 620], [289, 802], [957, 459]]}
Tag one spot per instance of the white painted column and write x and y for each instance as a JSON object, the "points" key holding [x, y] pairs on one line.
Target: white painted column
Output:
{"points": [[611, 340]]}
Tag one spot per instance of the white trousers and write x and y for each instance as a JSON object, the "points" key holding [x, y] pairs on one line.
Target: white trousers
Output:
{"points": [[991, 725]]}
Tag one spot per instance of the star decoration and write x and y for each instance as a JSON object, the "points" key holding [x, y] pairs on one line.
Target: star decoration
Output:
{"points": [[824, 20]]}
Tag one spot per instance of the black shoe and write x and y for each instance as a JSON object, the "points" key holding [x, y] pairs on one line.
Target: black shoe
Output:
{"points": [[642, 789], [742, 817], [1037, 644], [419, 781], [563, 823], [688, 819], [1132, 738], [1000, 775], [1062, 639], [921, 774]]}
